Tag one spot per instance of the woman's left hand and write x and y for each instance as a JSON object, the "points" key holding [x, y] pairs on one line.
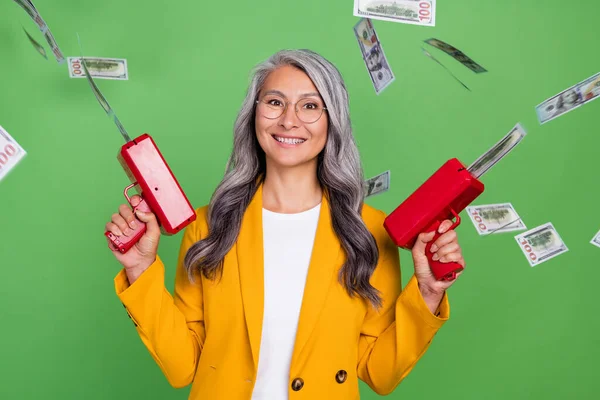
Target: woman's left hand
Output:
{"points": [[445, 249]]}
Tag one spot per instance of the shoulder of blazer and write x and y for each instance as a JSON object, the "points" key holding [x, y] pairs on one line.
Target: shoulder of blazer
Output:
{"points": [[199, 228], [373, 219]]}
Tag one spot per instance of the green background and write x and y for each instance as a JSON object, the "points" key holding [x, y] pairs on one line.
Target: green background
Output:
{"points": [[515, 332]]}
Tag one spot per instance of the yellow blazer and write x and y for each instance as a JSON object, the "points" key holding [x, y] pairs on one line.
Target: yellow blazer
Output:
{"points": [[209, 333]]}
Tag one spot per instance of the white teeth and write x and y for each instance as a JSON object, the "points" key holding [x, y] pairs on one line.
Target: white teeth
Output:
{"points": [[289, 141]]}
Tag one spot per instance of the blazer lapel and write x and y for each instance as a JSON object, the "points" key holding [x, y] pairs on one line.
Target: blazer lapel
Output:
{"points": [[322, 269], [250, 265]]}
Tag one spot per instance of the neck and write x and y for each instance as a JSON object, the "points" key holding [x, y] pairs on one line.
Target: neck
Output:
{"points": [[291, 190]]}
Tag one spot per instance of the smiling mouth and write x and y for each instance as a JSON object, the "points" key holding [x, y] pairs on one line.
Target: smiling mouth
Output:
{"points": [[288, 140]]}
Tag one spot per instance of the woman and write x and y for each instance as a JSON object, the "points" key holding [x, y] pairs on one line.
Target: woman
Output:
{"points": [[287, 285]]}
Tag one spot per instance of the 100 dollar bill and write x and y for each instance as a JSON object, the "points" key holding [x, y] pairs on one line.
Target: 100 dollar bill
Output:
{"points": [[541, 244], [488, 159], [415, 12], [495, 218], [456, 54], [379, 69], [100, 97], [377, 184], [100, 68], [39, 21], [10, 153], [569, 99], [40, 49]]}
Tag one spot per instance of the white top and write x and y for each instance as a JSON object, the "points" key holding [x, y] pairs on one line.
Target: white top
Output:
{"points": [[288, 241]]}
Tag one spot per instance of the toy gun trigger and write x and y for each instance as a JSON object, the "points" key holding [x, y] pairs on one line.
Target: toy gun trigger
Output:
{"points": [[442, 271], [124, 243], [142, 206]]}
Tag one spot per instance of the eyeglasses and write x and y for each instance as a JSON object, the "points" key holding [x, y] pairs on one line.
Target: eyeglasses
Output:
{"points": [[307, 110]]}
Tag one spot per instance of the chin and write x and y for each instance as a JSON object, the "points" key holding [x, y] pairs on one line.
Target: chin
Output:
{"points": [[287, 163], [290, 162]]}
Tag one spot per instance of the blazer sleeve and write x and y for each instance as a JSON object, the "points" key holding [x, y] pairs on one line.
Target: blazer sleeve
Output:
{"points": [[171, 327], [394, 338]]}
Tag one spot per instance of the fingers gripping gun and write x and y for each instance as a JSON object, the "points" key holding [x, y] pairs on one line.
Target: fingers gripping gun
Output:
{"points": [[161, 194], [443, 196]]}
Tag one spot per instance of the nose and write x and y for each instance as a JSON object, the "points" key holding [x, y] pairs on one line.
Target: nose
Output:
{"points": [[289, 119]]}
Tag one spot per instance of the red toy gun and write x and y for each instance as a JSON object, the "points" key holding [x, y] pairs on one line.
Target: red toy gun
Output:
{"points": [[161, 194], [145, 166], [443, 196]]}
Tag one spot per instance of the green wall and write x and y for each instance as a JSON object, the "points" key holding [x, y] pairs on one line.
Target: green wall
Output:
{"points": [[515, 332]]}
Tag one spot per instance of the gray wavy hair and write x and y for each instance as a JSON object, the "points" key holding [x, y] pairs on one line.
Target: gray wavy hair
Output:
{"points": [[339, 172]]}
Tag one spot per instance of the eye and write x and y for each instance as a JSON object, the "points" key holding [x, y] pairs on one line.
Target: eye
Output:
{"points": [[274, 102], [311, 106]]}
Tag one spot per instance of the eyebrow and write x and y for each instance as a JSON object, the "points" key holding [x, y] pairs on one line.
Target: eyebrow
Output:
{"points": [[303, 95]]}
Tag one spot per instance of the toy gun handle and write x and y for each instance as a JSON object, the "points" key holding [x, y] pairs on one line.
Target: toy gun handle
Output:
{"points": [[442, 271], [124, 243]]}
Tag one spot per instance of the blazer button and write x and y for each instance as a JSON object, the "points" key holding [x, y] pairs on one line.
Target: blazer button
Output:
{"points": [[297, 384], [341, 376]]}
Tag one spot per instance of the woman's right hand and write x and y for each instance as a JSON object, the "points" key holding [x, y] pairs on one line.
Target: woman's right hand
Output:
{"points": [[143, 253]]}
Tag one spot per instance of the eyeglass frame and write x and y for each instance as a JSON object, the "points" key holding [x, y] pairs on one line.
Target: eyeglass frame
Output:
{"points": [[286, 103]]}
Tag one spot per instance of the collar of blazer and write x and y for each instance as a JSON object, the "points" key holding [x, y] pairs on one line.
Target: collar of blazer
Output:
{"points": [[321, 271]]}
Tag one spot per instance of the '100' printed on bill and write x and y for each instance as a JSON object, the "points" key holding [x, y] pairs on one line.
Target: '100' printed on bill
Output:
{"points": [[415, 12], [10, 153], [541, 244]]}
